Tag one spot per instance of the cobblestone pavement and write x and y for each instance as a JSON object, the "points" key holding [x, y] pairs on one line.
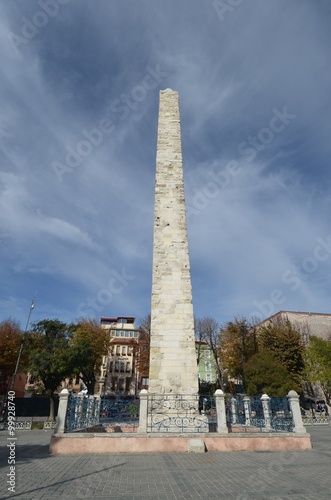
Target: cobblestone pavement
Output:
{"points": [[231, 475]]}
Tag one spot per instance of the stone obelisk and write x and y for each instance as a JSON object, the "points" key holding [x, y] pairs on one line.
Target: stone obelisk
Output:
{"points": [[173, 365]]}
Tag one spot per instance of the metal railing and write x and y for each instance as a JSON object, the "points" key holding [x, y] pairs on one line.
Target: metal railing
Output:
{"points": [[180, 413], [258, 414], [317, 419], [82, 412], [120, 413]]}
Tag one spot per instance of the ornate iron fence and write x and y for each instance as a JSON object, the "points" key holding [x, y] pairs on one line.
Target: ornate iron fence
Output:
{"points": [[171, 413], [82, 412], [18, 425], [120, 412], [180, 413], [316, 420], [254, 413]]}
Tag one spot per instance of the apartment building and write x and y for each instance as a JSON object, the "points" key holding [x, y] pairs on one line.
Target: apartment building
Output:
{"points": [[118, 371], [307, 323], [206, 362]]}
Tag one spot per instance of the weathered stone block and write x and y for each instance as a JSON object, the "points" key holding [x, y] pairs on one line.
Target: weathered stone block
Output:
{"points": [[196, 446]]}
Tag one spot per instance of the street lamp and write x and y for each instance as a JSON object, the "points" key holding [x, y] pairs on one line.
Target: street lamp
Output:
{"points": [[21, 347]]}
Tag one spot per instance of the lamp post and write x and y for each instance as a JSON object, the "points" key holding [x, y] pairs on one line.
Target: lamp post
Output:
{"points": [[21, 347]]}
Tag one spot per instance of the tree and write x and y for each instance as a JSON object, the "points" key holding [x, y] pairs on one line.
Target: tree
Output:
{"points": [[237, 344], [10, 342], [286, 343], [265, 374], [88, 344], [317, 359], [199, 337], [143, 351], [48, 355], [207, 329]]}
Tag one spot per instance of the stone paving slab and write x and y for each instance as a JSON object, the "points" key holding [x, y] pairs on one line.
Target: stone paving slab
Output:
{"points": [[292, 475]]}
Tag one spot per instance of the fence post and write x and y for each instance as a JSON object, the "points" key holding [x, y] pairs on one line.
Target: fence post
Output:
{"points": [[62, 411], [233, 410], [266, 410], [143, 395], [293, 399], [247, 406], [220, 412], [97, 406]]}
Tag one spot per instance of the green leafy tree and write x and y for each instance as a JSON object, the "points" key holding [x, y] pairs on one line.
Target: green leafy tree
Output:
{"points": [[317, 359], [237, 344], [264, 373], [88, 344], [48, 359], [286, 343], [10, 341]]}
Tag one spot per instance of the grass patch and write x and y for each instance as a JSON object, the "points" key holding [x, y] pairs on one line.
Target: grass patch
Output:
{"points": [[37, 425]]}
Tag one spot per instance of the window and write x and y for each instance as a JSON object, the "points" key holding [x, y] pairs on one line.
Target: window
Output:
{"points": [[120, 384], [122, 366], [118, 350], [111, 366], [144, 381], [128, 367], [208, 377], [208, 366], [207, 354], [123, 350], [129, 350], [117, 366]]}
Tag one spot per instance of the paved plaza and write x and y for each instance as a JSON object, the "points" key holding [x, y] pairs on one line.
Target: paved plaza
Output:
{"points": [[231, 475]]}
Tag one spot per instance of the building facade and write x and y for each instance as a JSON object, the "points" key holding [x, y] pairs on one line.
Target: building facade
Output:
{"points": [[307, 323], [206, 362], [118, 370]]}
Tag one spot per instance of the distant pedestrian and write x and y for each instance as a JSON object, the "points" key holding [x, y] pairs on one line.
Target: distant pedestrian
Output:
{"points": [[312, 410]]}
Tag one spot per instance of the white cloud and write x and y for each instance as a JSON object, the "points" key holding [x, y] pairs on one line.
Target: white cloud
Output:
{"points": [[65, 238]]}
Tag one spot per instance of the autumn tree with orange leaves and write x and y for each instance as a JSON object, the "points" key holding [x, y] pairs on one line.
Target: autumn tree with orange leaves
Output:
{"points": [[143, 350], [10, 341]]}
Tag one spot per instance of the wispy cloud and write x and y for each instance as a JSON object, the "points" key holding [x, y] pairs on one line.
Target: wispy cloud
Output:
{"points": [[89, 63]]}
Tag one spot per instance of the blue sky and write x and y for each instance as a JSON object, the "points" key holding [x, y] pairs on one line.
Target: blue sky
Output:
{"points": [[79, 89]]}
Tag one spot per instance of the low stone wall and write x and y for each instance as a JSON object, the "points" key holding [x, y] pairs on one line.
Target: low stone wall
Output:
{"points": [[80, 443]]}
